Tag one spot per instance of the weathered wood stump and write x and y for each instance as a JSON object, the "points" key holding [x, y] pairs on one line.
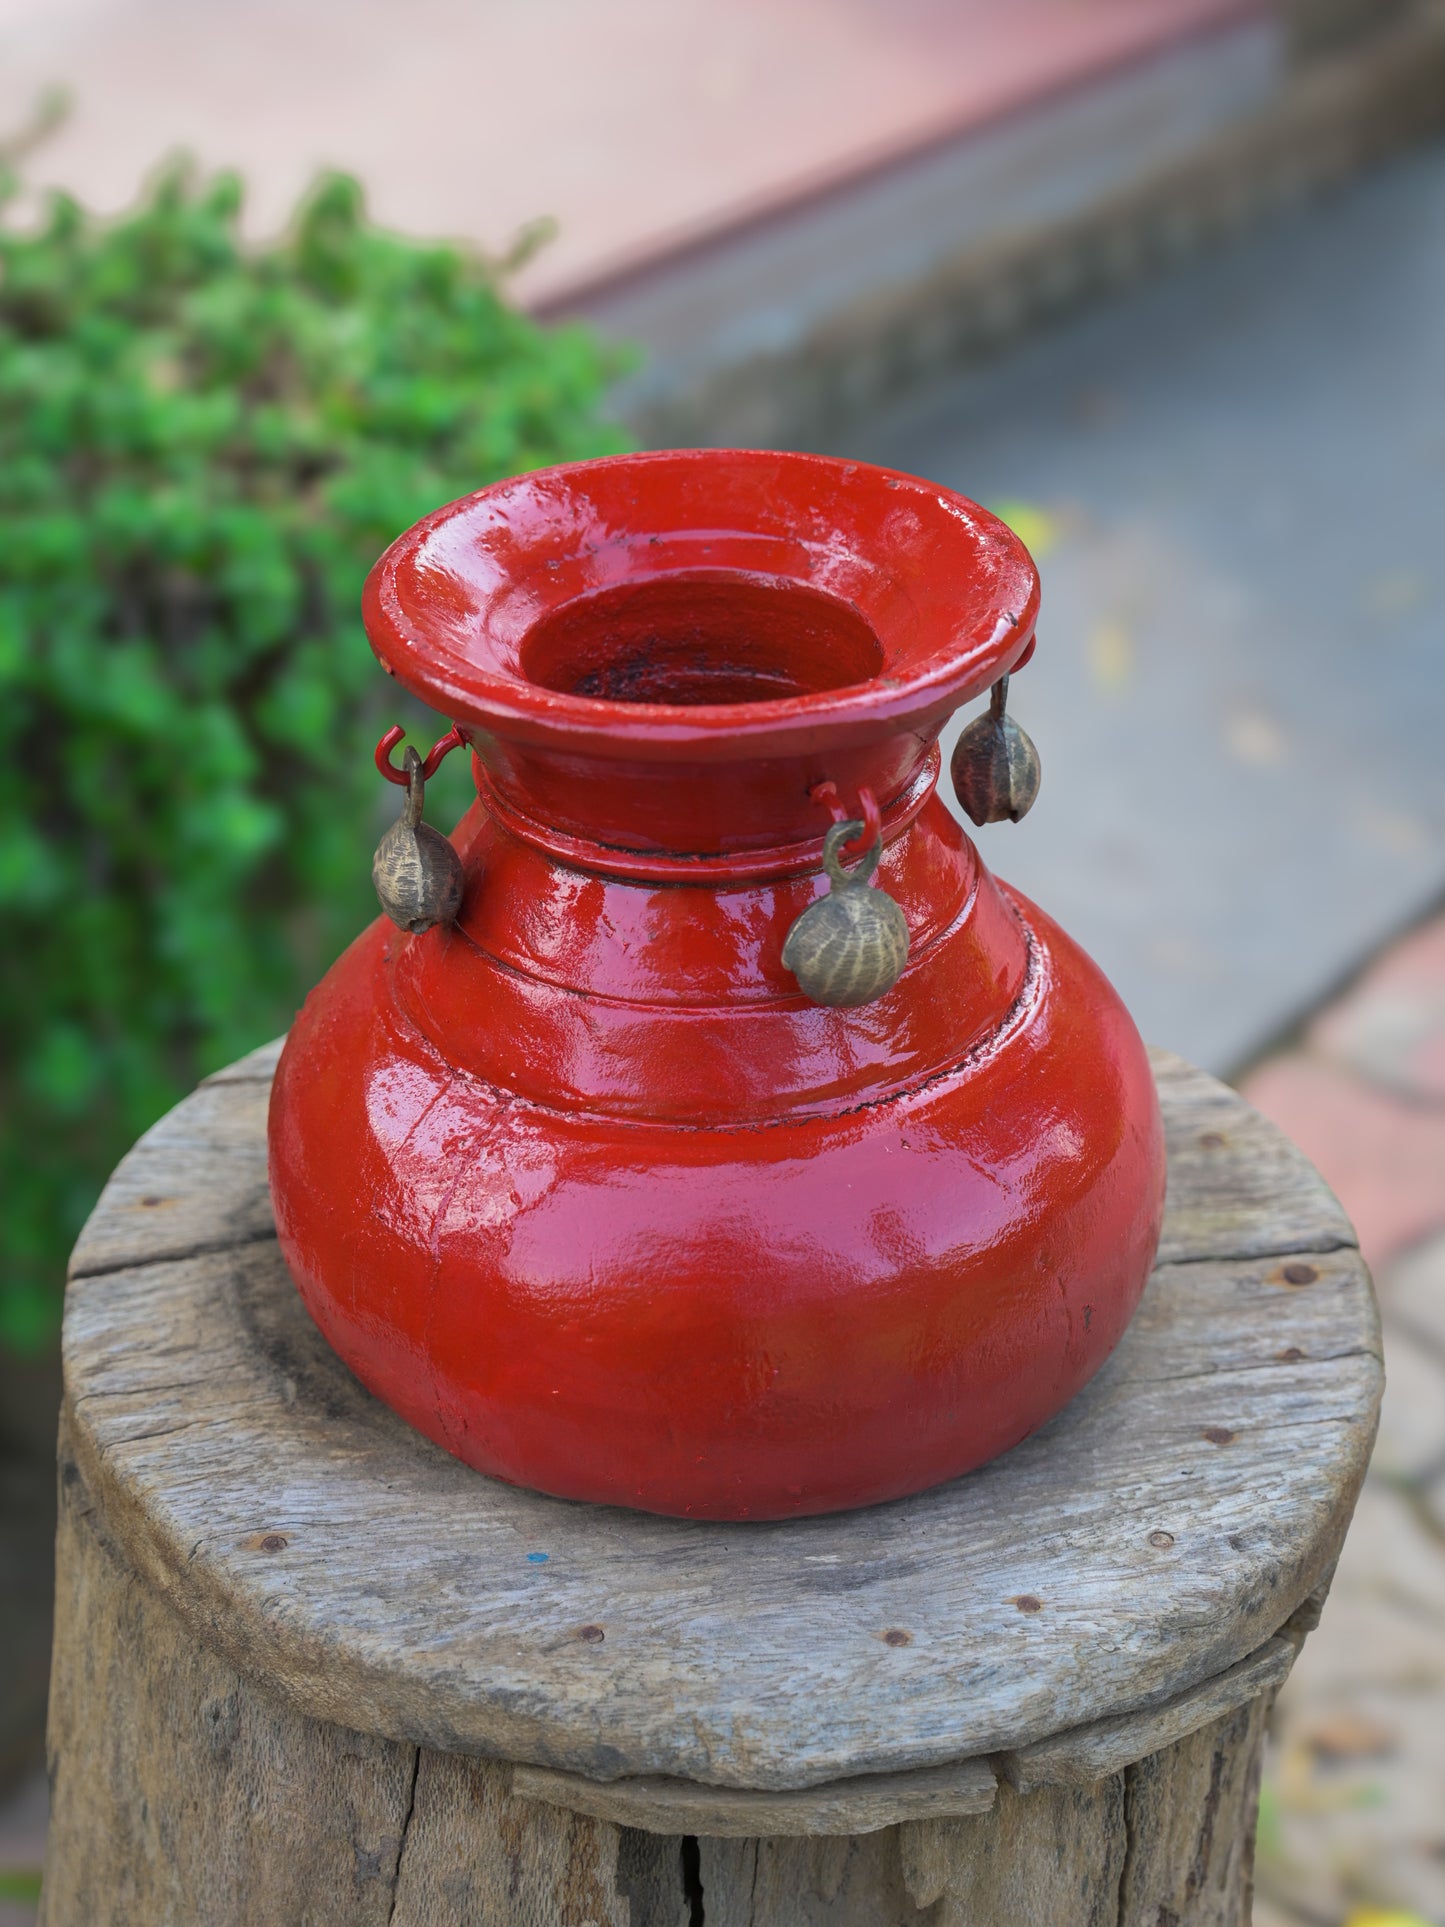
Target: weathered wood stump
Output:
{"points": [[309, 1669]]}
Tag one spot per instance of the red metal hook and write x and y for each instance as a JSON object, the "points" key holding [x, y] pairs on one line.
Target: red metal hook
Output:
{"points": [[827, 794], [443, 746]]}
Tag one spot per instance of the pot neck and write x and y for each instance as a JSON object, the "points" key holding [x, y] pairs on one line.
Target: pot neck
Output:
{"points": [[721, 858], [676, 820]]}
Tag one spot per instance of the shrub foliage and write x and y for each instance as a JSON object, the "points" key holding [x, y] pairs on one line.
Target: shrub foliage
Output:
{"points": [[203, 446]]}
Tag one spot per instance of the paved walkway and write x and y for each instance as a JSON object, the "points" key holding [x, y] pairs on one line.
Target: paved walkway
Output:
{"points": [[1355, 1795], [22, 1849], [1235, 483], [636, 124]]}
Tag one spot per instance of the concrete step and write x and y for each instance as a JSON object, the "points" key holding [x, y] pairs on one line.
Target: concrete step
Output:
{"points": [[797, 207]]}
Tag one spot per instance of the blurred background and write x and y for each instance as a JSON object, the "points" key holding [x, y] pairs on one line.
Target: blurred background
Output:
{"points": [[1162, 284]]}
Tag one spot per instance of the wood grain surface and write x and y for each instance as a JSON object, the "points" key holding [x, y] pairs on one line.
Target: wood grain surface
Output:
{"points": [[185, 1795], [1152, 1536]]}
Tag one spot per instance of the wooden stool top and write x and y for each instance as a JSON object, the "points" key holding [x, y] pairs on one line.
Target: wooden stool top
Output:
{"points": [[1149, 1538]]}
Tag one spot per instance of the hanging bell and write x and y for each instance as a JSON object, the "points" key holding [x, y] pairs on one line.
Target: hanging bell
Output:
{"points": [[995, 766], [850, 946], [417, 873]]}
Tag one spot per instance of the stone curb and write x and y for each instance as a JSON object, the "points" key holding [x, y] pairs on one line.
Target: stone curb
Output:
{"points": [[1356, 95]]}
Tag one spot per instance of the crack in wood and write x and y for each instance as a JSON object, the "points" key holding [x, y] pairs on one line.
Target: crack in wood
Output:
{"points": [[690, 1863], [201, 1249], [402, 1836], [1326, 1248]]}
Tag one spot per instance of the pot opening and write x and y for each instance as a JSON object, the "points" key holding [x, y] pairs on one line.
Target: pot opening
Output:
{"points": [[701, 638]]}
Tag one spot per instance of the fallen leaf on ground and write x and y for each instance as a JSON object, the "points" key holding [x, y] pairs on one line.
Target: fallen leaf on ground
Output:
{"points": [[1254, 737], [1111, 655], [1349, 1737], [1386, 1917], [1035, 527], [1398, 592], [1399, 833]]}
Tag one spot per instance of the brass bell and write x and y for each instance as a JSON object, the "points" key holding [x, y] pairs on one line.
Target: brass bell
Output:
{"points": [[417, 873], [850, 946], [995, 766]]}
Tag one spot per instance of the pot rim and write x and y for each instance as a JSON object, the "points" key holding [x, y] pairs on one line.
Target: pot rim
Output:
{"points": [[947, 589]]}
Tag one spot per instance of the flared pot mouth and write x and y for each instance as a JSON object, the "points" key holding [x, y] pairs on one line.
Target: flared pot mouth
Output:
{"points": [[702, 601]]}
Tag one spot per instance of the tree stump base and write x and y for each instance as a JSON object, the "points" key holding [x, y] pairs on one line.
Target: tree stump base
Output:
{"points": [[309, 1669]]}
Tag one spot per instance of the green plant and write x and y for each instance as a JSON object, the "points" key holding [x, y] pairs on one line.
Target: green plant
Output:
{"points": [[203, 446]]}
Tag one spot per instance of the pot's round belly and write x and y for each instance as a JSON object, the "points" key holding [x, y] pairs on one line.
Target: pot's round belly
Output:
{"points": [[738, 1323]]}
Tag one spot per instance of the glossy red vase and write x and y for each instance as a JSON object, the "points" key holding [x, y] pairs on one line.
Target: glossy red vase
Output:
{"points": [[583, 1185]]}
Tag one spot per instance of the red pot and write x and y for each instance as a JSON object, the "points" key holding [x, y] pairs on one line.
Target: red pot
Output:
{"points": [[584, 1186]]}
